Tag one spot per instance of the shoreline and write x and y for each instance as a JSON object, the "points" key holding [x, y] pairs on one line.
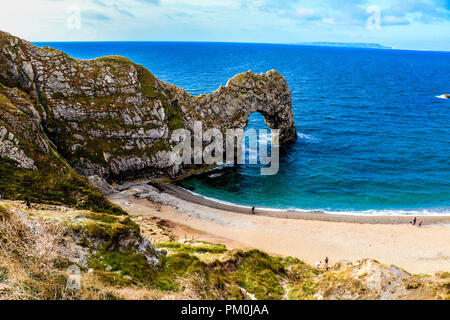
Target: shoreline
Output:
{"points": [[309, 237], [191, 197]]}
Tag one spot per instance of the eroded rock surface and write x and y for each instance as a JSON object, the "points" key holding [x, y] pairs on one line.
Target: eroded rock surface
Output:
{"points": [[112, 118], [9, 148], [104, 187]]}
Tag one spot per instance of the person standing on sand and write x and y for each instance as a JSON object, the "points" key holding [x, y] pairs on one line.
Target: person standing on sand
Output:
{"points": [[253, 211], [414, 221], [420, 224], [327, 267]]}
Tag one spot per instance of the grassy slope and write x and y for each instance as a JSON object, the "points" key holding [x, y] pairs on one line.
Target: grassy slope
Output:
{"points": [[189, 270]]}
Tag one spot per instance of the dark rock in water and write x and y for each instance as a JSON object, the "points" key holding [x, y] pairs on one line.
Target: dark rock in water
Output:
{"points": [[112, 118]]}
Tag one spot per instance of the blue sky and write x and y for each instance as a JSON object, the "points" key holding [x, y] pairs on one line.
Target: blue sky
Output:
{"points": [[406, 24]]}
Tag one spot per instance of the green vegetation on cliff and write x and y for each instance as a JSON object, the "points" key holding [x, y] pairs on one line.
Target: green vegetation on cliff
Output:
{"points": [[253, 271], [47, 186], [39, 244], [149, 87], [113, 118], [47, 177]]}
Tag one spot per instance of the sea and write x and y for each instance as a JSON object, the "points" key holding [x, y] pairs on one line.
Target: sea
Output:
{"points": [[373, 124]]}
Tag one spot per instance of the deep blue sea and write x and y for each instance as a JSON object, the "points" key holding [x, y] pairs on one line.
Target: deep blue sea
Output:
{"points": [[373, 136]]}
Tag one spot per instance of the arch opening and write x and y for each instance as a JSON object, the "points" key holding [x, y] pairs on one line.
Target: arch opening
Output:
{"points": [[257, 136]]}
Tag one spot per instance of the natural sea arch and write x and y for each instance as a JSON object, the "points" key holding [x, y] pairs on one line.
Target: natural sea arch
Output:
{"points": [[247, 93], [231, 106]]}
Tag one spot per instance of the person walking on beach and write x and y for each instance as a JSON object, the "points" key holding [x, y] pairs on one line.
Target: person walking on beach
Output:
{"points": [[414, 221], [420, 224], [253, 211], [326, 264]]}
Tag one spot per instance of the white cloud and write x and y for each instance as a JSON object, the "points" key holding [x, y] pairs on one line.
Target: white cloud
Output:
{"points": [[329, 21], [305, 13], [228, 20], [230, 4], [393, 21]]}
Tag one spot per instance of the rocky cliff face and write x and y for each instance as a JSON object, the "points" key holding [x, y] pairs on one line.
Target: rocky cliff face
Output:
{"points": [[112, 118]]}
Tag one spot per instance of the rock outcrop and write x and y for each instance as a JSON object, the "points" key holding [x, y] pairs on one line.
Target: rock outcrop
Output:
{"points": [[9, 148], [103, 186], [112, 118]]}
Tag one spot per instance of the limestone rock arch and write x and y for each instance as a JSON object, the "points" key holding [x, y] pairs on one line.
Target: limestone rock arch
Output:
{"points": [[231, 105], [112, 118]]}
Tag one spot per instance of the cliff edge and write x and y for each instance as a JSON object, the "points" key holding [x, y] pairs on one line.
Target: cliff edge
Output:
{"points": [[112, 118]]}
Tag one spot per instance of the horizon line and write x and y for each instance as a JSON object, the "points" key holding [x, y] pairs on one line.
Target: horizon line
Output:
{"points": [[305, 44]]}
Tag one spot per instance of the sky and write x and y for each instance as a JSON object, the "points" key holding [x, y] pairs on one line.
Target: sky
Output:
{"points": [[403, 24]]}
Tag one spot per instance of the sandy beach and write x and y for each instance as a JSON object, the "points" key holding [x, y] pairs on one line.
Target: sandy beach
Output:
{"points": [[308, 236]]}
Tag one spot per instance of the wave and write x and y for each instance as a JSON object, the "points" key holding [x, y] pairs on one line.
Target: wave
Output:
{"points": [[387, 212], [307, 137], [215, 175], [364, 213]]}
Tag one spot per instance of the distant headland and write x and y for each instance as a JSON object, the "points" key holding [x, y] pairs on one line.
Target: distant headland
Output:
{"points": [[346, 45]]}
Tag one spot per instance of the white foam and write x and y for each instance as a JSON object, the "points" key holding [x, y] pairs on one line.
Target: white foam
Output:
{"points": [[364, 213], [443, 96], [215, 175], [392, 213], [307, 137]]}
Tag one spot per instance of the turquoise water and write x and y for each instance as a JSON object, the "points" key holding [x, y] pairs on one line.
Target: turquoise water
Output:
{"points": [[373, 136]]}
